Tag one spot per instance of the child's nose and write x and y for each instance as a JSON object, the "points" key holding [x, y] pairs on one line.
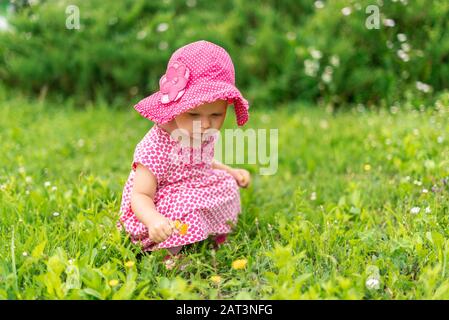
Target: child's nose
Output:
{"points": [[205, 123]]}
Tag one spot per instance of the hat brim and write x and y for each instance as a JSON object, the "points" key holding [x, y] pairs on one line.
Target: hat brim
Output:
{"points": [[153, 109]]}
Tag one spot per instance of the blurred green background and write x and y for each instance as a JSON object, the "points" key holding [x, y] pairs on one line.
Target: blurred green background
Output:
{"points": [[292, 50], [357, 209]]}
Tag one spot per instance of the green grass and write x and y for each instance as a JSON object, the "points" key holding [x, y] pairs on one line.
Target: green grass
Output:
{"points": [[366, 170]]}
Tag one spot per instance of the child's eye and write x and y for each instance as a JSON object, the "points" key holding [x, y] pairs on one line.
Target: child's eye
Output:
{"points": [[216, 114], [194, 114]]}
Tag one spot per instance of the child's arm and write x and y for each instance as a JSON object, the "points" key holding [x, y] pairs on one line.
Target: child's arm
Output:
{"points": [[221, 166], [142, 204], [242, 176]]}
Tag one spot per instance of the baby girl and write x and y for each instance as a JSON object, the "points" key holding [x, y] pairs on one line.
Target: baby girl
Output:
{"points": [[168, 203]]}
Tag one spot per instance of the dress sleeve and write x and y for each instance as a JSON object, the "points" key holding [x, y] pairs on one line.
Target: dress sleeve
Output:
{"points": [[153, 157]]}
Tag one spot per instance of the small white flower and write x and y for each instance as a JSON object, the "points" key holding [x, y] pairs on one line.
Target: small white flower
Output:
{"points": [[335, 61], [389, 23], [415, 210], [163, 45], [324, 124], [22, 170], [405, 47], [103, 247], [162, 27], [311, 67], [191, 3], [54, 188], [80, 143], [419, 53], [313, 196], [425, 191], [372, 283], [346, 11], [326, 77], [265, 118], [402, 37], [28, 179], [25, 254], [403, 55], [4, 25], [319, 4], [55, 214], [251, 40], [421, 86], [427, 210], [440, 139], [47, 183], [417, 182], [291, 35], [70, 261], [316, 54], [141, 35], [389, 44]]}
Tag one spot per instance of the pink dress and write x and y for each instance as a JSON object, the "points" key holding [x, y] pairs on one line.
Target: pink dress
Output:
{"points": [[206, 199]]}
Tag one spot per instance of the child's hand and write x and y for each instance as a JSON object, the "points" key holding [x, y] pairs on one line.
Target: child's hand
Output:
{"points": [[160, 228], [242, 176]]}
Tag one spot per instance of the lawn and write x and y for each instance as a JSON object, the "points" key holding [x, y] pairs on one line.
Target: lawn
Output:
{"points": [[357, 209]]}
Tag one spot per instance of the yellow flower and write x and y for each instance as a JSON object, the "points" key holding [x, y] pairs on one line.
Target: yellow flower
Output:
{"points": [[367, 167], [215, 279], [183, 229], [113, 282], [239, 264], [129, 264]]}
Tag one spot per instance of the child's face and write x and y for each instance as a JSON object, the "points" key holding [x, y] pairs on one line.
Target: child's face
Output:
{"points": [[209, 115]]}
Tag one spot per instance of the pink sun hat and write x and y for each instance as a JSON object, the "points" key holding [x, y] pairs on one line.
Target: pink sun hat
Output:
{"points": [[197, 73]]}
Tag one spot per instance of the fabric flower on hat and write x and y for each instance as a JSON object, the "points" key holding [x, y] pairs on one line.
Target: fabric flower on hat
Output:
{"points": [[172, 84]]}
